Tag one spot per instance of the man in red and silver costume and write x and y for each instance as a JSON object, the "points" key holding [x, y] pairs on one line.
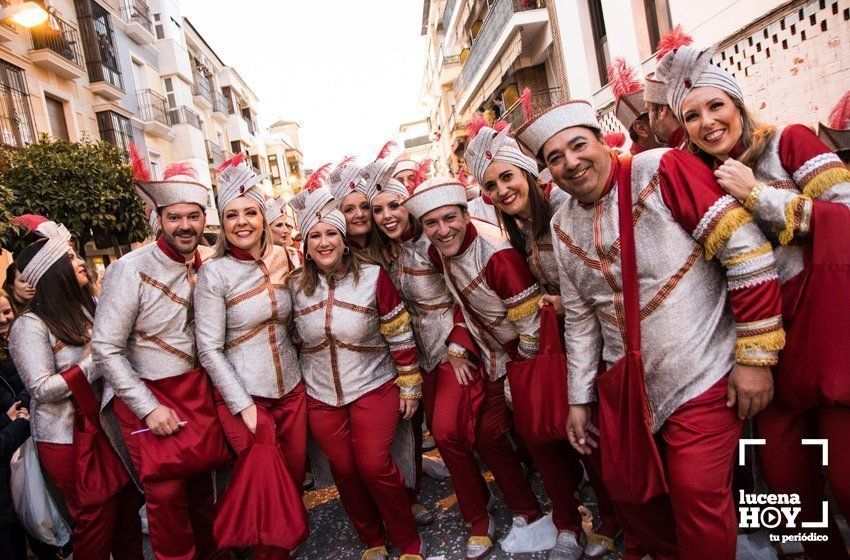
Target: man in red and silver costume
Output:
{"points": [[629, 106], [709, 316], [665, 126], [143, 337], [498, 298]]}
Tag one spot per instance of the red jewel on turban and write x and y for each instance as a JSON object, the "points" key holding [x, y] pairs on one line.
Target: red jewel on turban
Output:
{"points": [[351, 185], [241, 190], [318, 216], [688, 83], [488, 155]]}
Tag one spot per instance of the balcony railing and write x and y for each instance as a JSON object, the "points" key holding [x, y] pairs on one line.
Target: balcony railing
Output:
{"points": [[249, 124], [136, 11], [447, 14], [498, 17], [185, 115], [60, 37], [153, 107], [202, 86], [541, 100], [220, 103], [215, 153]]}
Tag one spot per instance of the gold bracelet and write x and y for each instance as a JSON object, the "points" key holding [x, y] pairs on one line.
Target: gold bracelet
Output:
{"points": [[452, 353], [750, 203]]}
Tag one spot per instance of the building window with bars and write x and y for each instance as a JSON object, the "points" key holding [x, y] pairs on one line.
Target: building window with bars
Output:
{"points": [[274, 169], [116, 130], [16, 120], [99, 43]]}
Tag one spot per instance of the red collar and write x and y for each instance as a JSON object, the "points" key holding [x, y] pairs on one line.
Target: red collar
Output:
{"points": [[468, 237], [240, 254], [408, 233], [547, 192], [610, 182], [676, 138], [636, 148], [175, 255], [486, 199]]}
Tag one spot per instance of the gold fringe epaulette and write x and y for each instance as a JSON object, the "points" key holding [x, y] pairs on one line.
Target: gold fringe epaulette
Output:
{"points": [[824, 180], [409, 380], [524, 309], [724, 229], [772, 341], [393, 325]]}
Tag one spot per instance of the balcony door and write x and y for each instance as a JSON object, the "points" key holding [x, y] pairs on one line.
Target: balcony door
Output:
{"points": [[56, 117]]}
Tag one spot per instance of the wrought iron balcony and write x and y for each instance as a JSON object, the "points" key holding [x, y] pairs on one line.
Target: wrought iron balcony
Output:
{"points": [[215, 153], [153, 107], [220, 104], [202, 86], [541, 100], [185, 115], [498, 17], [136, 11], [60, 37]]}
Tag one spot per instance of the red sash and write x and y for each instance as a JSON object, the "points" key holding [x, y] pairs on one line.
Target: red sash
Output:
{"points": [[199, 445], [814, 368], [262, 504], [539, 386], [98, 471], [631, 466]]}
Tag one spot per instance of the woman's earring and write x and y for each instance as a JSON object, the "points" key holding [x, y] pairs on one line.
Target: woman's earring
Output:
{"points": [[346, 251], [308, 257]]}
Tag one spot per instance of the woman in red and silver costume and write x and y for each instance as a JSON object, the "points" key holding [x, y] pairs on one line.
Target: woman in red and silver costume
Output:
{"points": [[282, 226], [799, 193], [358, 360], [349, 191], [50, 346], [242, 311], [509, 178]]}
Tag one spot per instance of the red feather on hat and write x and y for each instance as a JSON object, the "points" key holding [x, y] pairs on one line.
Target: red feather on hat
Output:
{"points": [[29, 221], [234, 161], [140, 167], [525, 99], [420, 173], [317, 178], [386, 150], [499, 126], [672, 40], [475, 124], [180, 168], [615, 139], [840, 114], [622, 78], [346, 160], [462, 177]]}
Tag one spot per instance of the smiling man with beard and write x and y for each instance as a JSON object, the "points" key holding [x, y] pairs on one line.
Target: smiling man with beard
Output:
{"points": [[707, 315], [144, 342]]}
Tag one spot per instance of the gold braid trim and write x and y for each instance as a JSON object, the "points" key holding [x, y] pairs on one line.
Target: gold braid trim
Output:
{"points": [[370, 553], [601, 540], [724, 229], [763, 250], [761, 362], [826, 179], [485, 542], [791, 211], [461, 355], [772, 341], [524, 309], [750, 202], [410, 557], [391, 326], [409, 381]]}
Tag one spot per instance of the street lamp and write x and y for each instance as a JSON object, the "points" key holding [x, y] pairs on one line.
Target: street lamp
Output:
{"points": [[26, 14]]}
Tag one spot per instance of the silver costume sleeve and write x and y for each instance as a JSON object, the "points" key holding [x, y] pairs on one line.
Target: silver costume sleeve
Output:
{"points": [[29, 345]]}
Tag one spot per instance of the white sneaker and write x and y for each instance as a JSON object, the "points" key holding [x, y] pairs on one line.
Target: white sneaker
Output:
{"points": [[535, 537], [566, 548]]}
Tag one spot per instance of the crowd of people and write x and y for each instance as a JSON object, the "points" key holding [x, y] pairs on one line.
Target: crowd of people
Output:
{"points": [[618, 317]]}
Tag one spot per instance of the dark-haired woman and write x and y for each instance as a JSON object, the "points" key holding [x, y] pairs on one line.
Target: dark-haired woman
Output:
{"points": [[798, 191], [509, 178], [358, 360], [50, 346], [20, 293]]}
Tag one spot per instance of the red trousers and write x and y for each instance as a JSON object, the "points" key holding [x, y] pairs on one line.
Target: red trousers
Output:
{"points": [[416, 426], [792, 468], [290, 417], [180, 511], [113, 527], [357, 440], [441, 398], [700, 442]]}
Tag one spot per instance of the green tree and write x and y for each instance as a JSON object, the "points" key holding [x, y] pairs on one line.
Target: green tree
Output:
{"points": [[85, 185]]}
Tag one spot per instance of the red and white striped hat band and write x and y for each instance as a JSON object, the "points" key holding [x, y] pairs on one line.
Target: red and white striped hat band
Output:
{"points": [[390, 186], [313, 207], [345, 179], [489, 146], [541, 128], [177, 189], [57, 246], [239, 180], [435, 193]]}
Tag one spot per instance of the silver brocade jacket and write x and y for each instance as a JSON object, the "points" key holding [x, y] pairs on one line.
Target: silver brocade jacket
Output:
{"points": [[428, 301], [143, 325], [795, 163], [347, 342], [688, 334], [40, 358], [540, 253], [492, 278], [242, 314]]}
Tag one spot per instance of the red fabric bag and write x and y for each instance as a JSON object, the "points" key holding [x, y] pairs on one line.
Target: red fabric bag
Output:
{"points": [[814, 368], [199, 445], [262, 505], [631, 465], [98, 471], [539, 386]]}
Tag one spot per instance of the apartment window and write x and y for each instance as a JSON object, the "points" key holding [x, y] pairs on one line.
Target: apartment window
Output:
{"points": [[255, 161], [56, 117], [155, 161], [16, 118], [158, 27], [99, 43], [657, 20], [116, 130], [600, 40], [229, 96], [274, 169]]}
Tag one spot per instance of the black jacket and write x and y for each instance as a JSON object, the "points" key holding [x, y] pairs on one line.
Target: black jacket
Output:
{"points": [[12, 436]]}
